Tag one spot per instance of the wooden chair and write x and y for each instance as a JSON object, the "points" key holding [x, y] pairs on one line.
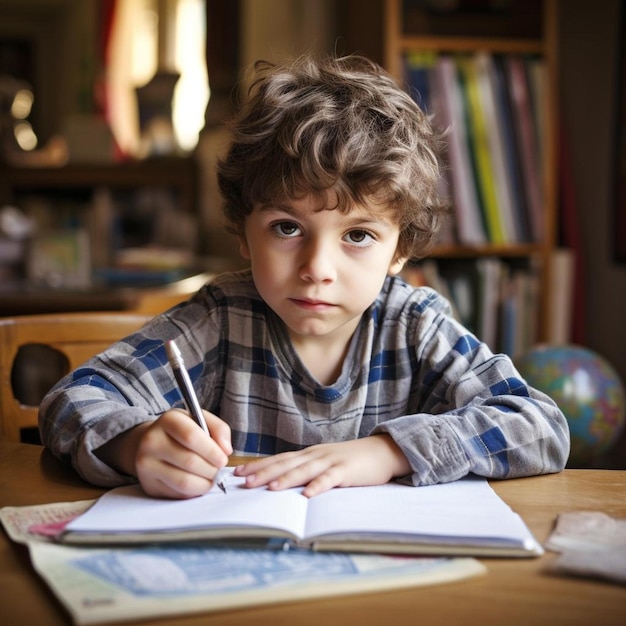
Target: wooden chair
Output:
{"points": [[71, 337], [158, 299]]}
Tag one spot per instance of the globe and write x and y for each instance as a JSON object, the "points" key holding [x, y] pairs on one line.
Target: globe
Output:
{"points": [[588, 391]]}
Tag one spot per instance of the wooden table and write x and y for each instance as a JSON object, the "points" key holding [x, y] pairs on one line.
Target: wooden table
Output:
{"points": [[515, 591]]}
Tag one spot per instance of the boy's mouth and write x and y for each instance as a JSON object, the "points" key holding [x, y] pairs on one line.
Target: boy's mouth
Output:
{"points": [[311, 304]]}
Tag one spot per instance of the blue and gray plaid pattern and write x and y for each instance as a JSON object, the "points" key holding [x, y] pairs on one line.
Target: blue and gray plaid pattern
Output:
{"points": [[412, 371]]}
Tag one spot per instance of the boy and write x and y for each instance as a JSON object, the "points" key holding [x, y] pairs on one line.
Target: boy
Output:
{"points": [[318, 358]]}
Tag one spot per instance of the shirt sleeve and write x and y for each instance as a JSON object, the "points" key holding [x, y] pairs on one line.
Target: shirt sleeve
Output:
{"points": [[96, 402], [474, 412]]}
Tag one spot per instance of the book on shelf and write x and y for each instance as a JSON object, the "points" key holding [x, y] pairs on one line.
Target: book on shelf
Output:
{"points": [[489, 269], [536, 78], [512, 156], [526, 135], [562, 296], [472, 141], [518, 310], [511, 313], [461, 518], [488, 100], [417, 77], [480, 130], [448, 107], [530, 306]]}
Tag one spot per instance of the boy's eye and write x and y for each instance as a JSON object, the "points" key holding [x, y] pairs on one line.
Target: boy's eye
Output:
{"points": [[359, 237], [286, 229]]}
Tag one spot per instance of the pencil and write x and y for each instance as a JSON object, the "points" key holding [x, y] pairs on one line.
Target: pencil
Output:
{"points": [[181, 375]]}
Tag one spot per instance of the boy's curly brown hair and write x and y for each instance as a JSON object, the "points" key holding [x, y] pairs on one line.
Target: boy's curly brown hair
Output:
{"points": [[339, 125]]}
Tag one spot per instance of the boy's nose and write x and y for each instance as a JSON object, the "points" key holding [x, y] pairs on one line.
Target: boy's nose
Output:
{"points": [[317, 263]]}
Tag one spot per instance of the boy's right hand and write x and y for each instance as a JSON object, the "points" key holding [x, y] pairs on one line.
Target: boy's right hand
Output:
{"points": [[175, 459]]}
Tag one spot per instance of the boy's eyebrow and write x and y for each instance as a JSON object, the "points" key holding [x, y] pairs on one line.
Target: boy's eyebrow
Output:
{"points": [[365, 222], [277, 206], [359, 220]]}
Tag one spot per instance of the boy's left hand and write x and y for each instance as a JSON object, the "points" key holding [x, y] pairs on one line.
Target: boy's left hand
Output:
{"points": [[372, 460]]}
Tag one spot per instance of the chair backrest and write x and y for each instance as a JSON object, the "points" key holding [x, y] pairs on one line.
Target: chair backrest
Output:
{"points": [[158, 299], [76, 336]]}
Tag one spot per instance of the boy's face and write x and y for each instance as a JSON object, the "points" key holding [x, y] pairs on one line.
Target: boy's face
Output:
{"points": [[319, 270]]}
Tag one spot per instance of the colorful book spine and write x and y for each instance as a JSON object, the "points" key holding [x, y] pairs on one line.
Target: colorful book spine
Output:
{"points": [[479, 131], [417, 77], [536, 76], [526, 138], [489, 270], [511, 150], [500, 172]]}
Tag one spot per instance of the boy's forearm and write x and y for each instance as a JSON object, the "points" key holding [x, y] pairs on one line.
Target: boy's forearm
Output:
{"points": [[400, 464]]}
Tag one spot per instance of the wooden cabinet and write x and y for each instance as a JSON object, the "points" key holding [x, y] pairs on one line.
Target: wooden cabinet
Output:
{"points": [[522, 29]]}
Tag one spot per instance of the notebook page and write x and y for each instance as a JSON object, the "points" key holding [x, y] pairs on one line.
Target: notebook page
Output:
{"points": [[467, 508], [129, 510]]}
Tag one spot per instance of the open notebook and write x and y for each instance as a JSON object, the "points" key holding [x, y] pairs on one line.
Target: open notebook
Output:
{"points": [[110, 583], [465, 517]]}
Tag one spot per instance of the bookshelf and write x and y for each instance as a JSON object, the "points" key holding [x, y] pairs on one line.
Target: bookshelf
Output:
{"points": [[521, 29], [178, 174], [100, 226]]}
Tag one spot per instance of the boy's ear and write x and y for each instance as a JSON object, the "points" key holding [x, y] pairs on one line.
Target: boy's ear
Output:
{"points": [[396, 265], [244, 250]]}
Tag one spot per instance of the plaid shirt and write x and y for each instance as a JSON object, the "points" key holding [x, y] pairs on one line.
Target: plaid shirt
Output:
{"points": [[412, 371]]}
